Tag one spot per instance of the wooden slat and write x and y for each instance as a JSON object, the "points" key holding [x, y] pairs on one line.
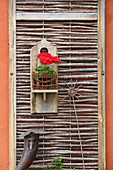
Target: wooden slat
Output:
{"points": [[56, 16]]}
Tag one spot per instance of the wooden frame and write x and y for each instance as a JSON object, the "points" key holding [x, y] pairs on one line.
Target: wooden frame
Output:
{"points": [[101, 85], [12, 77], [12, 85]]}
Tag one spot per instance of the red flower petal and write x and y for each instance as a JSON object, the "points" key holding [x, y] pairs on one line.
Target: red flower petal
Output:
{"points": [[47, 58]]}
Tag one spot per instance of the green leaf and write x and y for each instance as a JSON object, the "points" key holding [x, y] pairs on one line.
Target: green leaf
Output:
{"points": [[57, 164], [61, 166], [52, 162], [44, 70]]}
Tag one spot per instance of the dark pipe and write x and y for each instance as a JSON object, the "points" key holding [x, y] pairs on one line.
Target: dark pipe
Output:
{"points": [[31, 143]]}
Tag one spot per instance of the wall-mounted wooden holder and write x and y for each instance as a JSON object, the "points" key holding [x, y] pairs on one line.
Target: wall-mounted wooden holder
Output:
{"points": [[44, 94]]}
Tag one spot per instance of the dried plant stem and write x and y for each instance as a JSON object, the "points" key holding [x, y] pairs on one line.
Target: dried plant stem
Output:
{"points": [[79, 132]]}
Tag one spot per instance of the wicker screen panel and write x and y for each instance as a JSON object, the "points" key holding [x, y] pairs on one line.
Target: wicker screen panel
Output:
{"points": [[58, 6], [72, 133]]}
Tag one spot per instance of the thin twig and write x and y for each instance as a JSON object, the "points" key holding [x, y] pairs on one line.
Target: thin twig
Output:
{"points": [[73, 96], [79, 133]]}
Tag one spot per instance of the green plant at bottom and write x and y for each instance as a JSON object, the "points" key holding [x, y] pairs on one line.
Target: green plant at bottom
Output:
{"points": [[56, 164]]}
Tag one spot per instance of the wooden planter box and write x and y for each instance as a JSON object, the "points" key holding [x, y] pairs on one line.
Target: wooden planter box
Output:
{"points": [[44, 82], [44, 88]]}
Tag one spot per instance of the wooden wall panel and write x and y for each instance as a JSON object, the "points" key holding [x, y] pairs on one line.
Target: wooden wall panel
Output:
{"points": [[77, 122], [77, 48]]}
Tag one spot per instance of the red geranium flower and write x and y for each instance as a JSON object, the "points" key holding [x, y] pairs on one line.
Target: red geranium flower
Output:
{"points": [[57, 60], [47, 58], [44, 55]]}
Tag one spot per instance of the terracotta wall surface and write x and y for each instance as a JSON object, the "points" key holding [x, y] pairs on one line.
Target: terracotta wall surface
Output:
{"points": [[109, 83], [4, 85]]}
